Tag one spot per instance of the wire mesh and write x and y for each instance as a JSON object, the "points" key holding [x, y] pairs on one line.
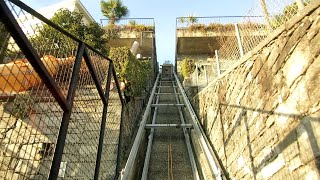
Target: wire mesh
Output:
{"points": [[276, 12], [101, 66], [30, 117], [56, 50], [262, 19], [112, 134], [82, 140]]}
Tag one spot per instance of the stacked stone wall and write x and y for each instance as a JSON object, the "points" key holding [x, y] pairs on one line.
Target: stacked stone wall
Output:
{"points": [[262, 116]]}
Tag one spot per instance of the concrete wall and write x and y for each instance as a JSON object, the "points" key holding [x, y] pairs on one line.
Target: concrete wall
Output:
{"points": [[262, 115]]}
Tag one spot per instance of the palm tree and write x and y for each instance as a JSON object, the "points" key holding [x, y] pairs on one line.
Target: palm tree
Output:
{"points": [[114, 10]]}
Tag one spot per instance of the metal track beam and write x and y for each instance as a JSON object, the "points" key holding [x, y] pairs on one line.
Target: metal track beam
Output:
{"points": [[148, 126]]}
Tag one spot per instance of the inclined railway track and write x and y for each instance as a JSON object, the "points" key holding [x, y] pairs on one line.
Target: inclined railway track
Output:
{"points": [[170, 152]]}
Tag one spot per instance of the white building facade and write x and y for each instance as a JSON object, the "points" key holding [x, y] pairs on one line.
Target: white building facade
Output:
{"points": [[30, 24]]}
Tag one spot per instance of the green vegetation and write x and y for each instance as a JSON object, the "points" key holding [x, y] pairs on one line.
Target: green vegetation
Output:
{"points": [[113, 10], [134, 73], [21, 106], [4, 38], [277, 20], [287, 13], [112, 31], [190, 20], [137, 27], [218, 27], [48, 38], [188, 66]]}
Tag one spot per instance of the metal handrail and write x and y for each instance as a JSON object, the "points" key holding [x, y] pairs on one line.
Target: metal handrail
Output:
{"points": [[137, 141], [66, 103], [212, 159]]}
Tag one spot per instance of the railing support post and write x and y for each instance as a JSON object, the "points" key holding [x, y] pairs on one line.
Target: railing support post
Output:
{"points": [[239, 40], [54, 171], [300, 4], [217, 62], [103, 124]]}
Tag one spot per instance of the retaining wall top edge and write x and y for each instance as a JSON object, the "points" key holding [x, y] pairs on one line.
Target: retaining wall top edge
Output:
{"points": [[286, 26]]}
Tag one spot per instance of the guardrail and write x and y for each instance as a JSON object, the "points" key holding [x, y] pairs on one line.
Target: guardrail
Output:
{"points": [[60, 104]]}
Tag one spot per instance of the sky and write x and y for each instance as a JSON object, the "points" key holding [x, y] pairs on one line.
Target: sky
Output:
{"points": [[165, 12]]}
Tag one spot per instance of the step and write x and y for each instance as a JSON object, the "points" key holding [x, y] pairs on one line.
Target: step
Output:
{"points": [[165, 105], [168, 125], [167, 93], [166, 86]]}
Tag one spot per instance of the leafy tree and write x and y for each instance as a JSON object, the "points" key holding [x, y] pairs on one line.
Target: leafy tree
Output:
{"points": [[94, 36], [48, 39], [114, 10]]}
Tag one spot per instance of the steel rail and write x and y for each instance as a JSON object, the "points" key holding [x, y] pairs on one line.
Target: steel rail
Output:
{"points": [[215, 166], [148, 153], [134, 151], [187, 139]]}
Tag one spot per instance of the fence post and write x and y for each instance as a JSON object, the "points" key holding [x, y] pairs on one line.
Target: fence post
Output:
{"points": [[239, 39], [205, 74], [103, 124], [197, 74], [217, 61], [300, 4], [63, 131]]}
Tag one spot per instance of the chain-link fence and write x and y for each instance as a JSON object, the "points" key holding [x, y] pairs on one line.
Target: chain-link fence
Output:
{"points": [[234, 36], [60, 103]]}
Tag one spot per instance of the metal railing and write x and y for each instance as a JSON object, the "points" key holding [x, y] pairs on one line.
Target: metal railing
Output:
{"points": [[60, 103], [236, 35]]}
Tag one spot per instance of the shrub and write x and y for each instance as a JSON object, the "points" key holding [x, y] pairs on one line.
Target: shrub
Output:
{"points": [[133, 72], [188, 66]]}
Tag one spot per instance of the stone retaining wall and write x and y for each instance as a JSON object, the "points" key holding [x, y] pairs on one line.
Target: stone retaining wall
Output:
{"points": [[263, 115]]}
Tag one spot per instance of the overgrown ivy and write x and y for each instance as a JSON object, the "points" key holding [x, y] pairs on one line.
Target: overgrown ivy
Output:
{"points": [[134, 73]]}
